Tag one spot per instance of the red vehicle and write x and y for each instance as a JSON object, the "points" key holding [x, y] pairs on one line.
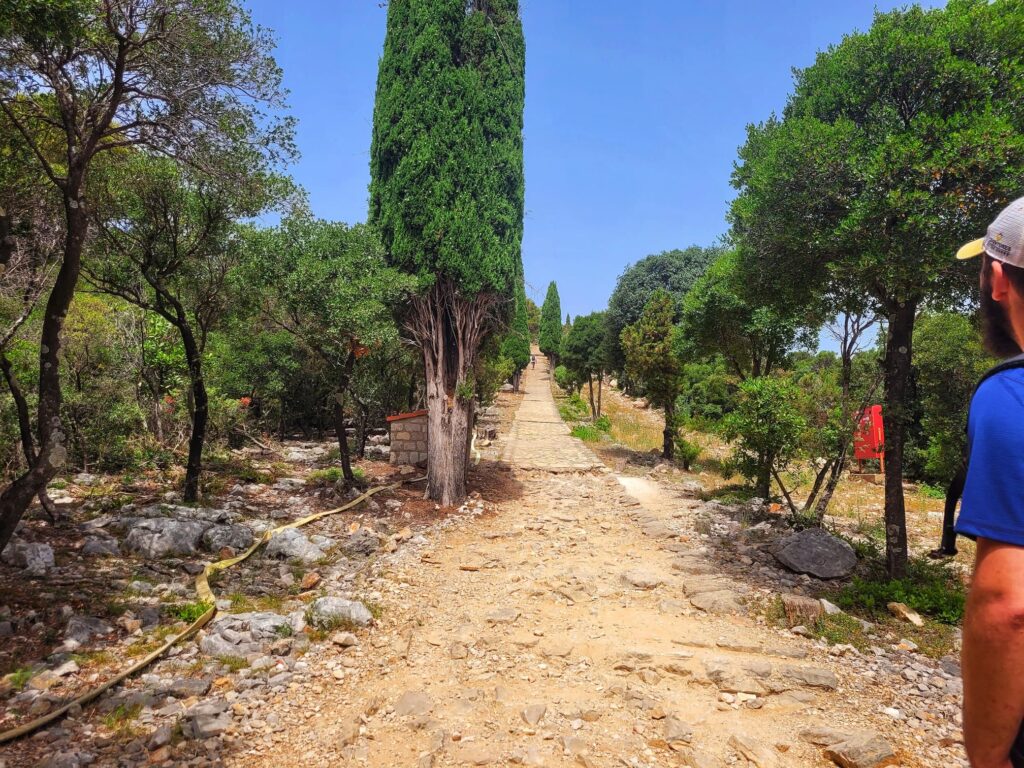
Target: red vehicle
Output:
{"points": [[869, 439]]}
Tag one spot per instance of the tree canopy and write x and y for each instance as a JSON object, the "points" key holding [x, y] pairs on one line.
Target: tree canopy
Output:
{"points": [[550, 340]]}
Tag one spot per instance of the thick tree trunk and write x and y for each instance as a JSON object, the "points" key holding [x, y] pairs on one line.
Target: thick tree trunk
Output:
{"points": [[763, 481], [52, 449], [668, 447], [449, 328], [897, 378], [593, 406], [600, 382], [200, 413]]}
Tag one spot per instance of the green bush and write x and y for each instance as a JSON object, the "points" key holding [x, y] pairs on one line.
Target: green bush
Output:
{"points": [[604, 424], [321, 478], [932, 589], [574, 408], [587, 433], [563, 378], [686, 452], [189, 612]]}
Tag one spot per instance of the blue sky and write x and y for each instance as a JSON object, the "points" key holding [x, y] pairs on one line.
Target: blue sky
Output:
{"points": [[634, 113]]}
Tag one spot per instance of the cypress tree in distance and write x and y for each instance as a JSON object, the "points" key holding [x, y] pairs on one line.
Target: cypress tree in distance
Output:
{"points": [[516, 345], [551, 324], [446, 195]]}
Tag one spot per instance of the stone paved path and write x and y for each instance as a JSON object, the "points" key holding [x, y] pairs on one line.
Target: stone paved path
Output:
{"points": [[539, 439], [578, 624]]}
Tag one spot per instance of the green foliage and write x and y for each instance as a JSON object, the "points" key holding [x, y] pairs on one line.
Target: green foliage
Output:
{"points": [[322, 478], [589, 433], [766, 427], [446, 160], [189, 612], [583, 351], [687, 452], [233, 663], [603, 423], [19, 678], [563, 378], [651, 346], [516, 344], [533, 320], [707, 393], [950, 359], [930, 588], [573, 408], [673, 271], [551, 322], [841, 629], [719, 319]]}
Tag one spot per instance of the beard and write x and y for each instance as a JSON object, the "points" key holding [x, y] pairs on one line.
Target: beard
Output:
{"points": [[995, 324]]}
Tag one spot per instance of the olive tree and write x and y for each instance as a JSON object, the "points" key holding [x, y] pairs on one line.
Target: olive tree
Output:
{"points": [[86, 77]]}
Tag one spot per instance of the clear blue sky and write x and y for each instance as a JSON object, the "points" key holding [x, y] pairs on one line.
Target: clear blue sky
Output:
{"points": [[634, 113]]}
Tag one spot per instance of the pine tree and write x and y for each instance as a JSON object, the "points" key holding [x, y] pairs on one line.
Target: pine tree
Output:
{"points": [[446, 195], [551, 324]]}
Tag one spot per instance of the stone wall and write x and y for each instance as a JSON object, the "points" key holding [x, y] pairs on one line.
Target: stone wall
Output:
{"points": [[409, 438]]}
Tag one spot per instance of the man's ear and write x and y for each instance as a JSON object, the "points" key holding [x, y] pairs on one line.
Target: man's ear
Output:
{"points": [[999, 284]]}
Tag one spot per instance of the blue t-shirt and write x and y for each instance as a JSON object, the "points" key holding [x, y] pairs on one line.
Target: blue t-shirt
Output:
{"points": [[992, 505]]}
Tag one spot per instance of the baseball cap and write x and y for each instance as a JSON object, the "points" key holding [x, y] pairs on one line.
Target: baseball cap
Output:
{"points": [[1004, 240]]}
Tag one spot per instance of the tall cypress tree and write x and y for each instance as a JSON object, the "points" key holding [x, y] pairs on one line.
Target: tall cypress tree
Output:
{"points": [[551, 323], [516, 345], [446, 194]]}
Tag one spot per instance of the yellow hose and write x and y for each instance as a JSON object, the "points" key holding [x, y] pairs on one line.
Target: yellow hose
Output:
{"points": [[205, 595]]}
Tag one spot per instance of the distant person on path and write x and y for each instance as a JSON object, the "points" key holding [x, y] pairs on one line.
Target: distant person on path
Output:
{"points": [[533, 361], [992, 509]]}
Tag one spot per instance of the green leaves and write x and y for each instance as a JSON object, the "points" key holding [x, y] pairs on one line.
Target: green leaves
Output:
{"points": [[551, 322], [583, 348], [446, 159], [650, 347]]}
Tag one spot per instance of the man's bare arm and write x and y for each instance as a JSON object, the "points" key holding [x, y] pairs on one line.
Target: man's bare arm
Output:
{"points": [[993, 654]]}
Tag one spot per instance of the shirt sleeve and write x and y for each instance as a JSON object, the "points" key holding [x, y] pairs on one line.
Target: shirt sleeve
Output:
{"points": [[993, 500]]}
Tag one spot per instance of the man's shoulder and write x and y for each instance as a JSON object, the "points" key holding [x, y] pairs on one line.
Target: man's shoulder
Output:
{"points": [[999, 400], [1002, 385]]}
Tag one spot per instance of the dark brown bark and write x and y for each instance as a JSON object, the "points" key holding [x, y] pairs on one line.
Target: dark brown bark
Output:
{"points": [[52, 453], [449, 329], [600, 381], [593, 405], [898, 353], [668, 447], [200, 410], [339, 418]]}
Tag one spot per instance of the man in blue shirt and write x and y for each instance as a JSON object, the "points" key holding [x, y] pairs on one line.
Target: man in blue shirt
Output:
{"points": [[992, 510]]}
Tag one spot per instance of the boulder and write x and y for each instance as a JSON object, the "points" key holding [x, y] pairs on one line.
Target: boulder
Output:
{"points": [[36, 559], [204, 720], [293, 544], [362, 542], [237, 537], [101, 546], [817, 552], [329, 612], [867, 751], [162, 537], [82, 629]]}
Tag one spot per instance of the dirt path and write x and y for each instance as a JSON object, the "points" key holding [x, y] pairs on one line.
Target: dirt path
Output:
{"points": [[581, 624]]}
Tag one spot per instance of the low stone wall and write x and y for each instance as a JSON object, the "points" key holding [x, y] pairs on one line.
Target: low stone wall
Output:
{"points": [[409, 438]]}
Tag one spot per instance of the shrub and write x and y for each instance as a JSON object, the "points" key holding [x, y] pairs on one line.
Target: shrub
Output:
{"points": [[574, 408], [604, 424], [587, 433], [686, 452], [930, 588], [321, 478], [562, 377], [189, 612]]}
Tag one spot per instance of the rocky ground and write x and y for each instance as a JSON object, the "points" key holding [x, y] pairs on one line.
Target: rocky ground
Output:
{"points": [[561, 617]]}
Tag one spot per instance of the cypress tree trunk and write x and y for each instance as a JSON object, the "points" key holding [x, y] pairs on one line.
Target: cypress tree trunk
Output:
{"points": [[897, 379], [593, 405]]}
